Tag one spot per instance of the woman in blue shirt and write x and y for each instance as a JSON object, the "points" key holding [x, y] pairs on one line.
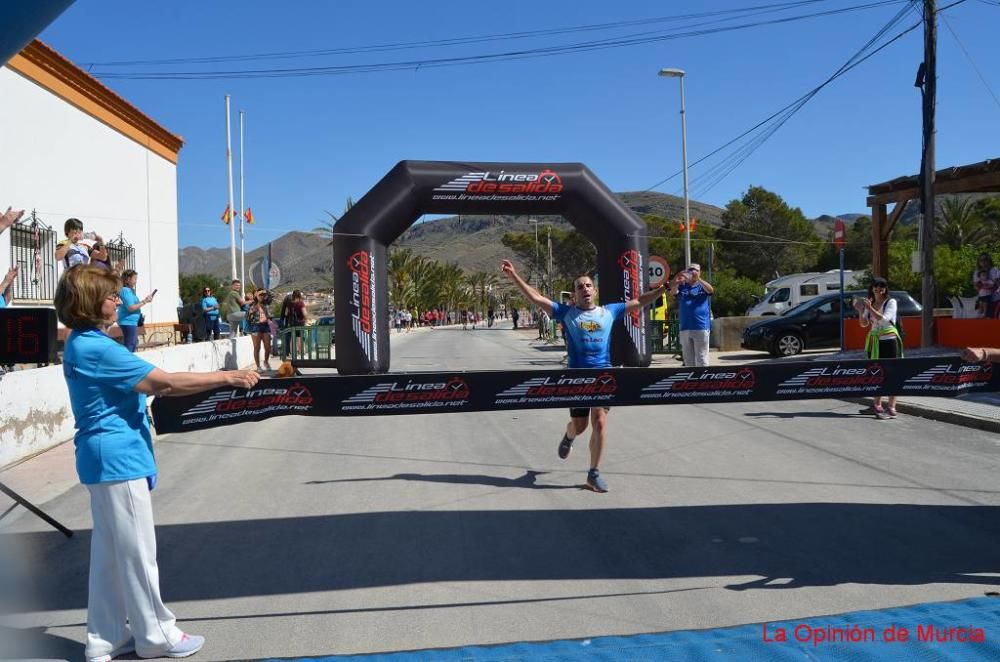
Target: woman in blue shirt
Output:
{"points": [[129, 310], [108, 386]]}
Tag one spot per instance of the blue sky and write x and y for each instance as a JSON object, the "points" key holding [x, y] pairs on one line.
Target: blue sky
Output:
{"points": [[313, 141]]}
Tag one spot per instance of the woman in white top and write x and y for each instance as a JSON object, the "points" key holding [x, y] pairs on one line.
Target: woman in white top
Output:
{"points": [[985, 279], [879, 312]]}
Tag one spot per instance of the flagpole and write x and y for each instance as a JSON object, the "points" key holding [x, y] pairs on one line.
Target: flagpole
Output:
{"points": [[243, 271], [229, 164]]}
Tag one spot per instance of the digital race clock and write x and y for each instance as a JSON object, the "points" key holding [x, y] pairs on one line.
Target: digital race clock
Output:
{"points": [[27, 335]]}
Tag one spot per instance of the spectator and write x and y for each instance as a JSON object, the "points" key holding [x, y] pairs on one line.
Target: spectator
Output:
{"points": [[232, 306], [259, 320], [9, 218], [210, 308], [879, 312], [489, 317], [408, 320], [986, 279], [7, 287], [514, 315], [71, 250], [108, 386], [129, 310], [695, 312]]}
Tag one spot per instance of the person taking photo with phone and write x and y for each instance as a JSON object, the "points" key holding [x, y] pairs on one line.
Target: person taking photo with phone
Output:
{"points": [[694, 307], [129, 309]]}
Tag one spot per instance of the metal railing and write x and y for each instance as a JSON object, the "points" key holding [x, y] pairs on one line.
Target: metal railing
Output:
{"points": [[32, 249], [307, 345]]}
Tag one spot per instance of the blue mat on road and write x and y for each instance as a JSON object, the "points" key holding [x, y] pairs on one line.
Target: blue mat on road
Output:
{"points": [[966, 630]]}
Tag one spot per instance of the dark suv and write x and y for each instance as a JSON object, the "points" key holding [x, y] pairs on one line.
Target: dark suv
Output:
{"points": [[814, 324]]}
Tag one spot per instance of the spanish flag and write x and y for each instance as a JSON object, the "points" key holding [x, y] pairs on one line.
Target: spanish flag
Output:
{"points": [[248, 215], [227, 215]]}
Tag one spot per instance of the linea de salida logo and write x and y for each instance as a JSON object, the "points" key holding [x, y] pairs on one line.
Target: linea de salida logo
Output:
{"points": [[412, 391], [363, 320], [743, 379], [488, 182], [297, 396]]}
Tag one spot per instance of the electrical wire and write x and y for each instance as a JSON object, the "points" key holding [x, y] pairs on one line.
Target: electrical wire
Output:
{"points": [[456, 40], [531, 53], [968, 56]]}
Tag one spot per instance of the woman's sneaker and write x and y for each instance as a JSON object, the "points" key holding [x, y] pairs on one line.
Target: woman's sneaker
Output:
{"points": [[891, 411], [595, 483], [565, 446], [880, 413], [188, 645]]}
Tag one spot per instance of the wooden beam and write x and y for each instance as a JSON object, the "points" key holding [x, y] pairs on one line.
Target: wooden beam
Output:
{"points": [[981, 183], [897, 211], [880, 248]]}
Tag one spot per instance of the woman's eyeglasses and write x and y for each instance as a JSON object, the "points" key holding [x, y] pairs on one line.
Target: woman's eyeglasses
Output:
{"points": [[113, 297]]}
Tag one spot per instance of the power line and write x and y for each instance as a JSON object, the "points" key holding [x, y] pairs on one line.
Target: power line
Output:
{"points": [[979, 73], [457, 40], [531, 53], [726, 166]]}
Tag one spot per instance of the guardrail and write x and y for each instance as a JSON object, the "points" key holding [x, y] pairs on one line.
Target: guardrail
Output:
{"points": [[308, 346]]}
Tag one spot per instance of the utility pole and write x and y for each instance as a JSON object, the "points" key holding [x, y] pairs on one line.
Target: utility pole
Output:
{"points": [[548, 272], [927, 81]]}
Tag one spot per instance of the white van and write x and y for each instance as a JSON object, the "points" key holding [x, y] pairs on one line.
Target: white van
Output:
{"points": [[785, 293]]}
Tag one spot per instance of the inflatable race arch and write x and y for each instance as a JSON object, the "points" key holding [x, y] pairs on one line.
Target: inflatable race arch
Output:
{"points": [[413, 188]]}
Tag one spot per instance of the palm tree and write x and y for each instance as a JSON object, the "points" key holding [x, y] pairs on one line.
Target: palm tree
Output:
{"points": [[326, 229], [958, 224], [402, 285]]}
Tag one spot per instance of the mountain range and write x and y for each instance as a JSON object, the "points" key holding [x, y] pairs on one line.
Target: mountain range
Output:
{"points": [[473, 241]]}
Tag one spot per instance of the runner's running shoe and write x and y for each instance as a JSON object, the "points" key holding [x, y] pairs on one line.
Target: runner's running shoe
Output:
{"points": [[565, 446], [595, 483]]}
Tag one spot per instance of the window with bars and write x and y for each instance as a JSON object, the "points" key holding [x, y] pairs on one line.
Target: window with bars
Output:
{"points": [[32, 249], [121, 253]]}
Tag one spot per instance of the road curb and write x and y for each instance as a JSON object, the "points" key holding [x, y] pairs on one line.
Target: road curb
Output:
{"points": [[954, 417]]}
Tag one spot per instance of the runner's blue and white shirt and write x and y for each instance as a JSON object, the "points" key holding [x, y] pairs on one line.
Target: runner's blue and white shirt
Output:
{"points": [[588, 333]]}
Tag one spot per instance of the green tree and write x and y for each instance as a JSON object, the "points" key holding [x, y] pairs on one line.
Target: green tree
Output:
{"points": [[733, 294], [193, 285], [988, 212], [767, 237], [958, 224], [952, 270], [326, 229]]}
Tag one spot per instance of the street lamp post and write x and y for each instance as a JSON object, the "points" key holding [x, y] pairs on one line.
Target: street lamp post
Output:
{"points": [[537, 267], [679, 73]]}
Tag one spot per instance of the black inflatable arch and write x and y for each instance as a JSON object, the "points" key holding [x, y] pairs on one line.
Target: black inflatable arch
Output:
{"points": [[413, 188]]}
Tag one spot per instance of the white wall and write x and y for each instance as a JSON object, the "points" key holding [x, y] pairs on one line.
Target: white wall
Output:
{"points": [[30, 424], [64, 163]]}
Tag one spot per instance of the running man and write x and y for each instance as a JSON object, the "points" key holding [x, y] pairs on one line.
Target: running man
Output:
{"points": [[588, 340]]}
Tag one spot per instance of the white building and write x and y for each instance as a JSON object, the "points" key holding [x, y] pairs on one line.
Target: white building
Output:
{"points": [[70, 147]]}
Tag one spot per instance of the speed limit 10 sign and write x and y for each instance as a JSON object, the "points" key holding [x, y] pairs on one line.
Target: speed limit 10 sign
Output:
{"points": [[659, 271]]}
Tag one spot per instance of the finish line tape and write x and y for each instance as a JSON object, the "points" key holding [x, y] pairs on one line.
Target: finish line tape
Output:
{"points": [[458, 392]]}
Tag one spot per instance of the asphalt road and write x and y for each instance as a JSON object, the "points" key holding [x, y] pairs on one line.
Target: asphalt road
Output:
{"points": [[310, 536]]}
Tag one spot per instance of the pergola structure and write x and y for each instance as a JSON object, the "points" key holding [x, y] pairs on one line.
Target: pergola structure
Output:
{"points": [[982, 177]]}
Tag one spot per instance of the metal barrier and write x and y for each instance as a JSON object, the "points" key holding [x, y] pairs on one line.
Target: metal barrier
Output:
{"points": [[666, 337], [308, 346]]}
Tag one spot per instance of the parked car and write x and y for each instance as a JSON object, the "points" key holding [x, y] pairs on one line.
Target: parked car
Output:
{"points": [[814, 324], [789, 291]]}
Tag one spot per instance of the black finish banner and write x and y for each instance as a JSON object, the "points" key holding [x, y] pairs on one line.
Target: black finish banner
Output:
{"points": [[456, 392]]}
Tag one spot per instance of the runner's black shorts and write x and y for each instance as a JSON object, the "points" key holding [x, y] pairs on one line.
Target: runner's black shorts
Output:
{"points": [[582, 412]]}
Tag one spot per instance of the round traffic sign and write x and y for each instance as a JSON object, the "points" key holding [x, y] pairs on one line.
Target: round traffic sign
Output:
{"points": [[659, 271]]}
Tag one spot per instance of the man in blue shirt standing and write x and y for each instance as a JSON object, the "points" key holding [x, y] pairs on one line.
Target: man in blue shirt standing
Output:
{"points": [[210, 305], [588, 342], [695, 309]]}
